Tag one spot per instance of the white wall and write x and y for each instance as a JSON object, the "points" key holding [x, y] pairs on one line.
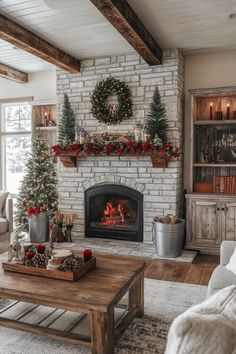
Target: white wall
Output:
{"points": [[41, 85], [208, 70]]}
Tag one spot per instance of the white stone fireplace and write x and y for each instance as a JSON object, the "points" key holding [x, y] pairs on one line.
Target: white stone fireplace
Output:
{"points": [[161, 188]]}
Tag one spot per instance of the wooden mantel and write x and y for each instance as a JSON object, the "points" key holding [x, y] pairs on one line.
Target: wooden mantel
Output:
{"points": [[70, 159]]}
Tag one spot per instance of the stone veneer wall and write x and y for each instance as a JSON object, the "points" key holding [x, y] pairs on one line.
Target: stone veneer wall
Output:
{"points": [[162, 188]]}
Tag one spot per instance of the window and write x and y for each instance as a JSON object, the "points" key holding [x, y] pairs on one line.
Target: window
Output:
{"points": [[15, 144]]}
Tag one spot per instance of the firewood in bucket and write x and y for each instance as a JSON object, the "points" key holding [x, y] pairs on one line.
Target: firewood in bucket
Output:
{"points": [[167, 219]]}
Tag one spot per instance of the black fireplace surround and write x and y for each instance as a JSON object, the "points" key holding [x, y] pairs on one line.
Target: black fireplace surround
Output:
{"points": [[114, 211]]}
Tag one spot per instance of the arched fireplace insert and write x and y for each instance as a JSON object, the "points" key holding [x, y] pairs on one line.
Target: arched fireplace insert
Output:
{"points": [[114, 211]]}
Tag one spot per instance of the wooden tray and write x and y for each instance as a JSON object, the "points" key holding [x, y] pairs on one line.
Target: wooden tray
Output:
{"points": [[54, 274]]}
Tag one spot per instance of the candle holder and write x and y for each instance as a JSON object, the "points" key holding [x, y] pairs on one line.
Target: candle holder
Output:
{"points": [[81, 138], [45, 122], [81, 135], [145, 135], [51, 122], [138, 130]]}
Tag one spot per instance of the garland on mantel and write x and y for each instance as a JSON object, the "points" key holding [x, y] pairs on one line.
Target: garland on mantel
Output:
{"points": [[119, 148]]}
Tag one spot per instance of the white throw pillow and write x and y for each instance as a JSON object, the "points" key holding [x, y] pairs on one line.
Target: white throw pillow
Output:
{"points": [[232, 263], [3, 197]]}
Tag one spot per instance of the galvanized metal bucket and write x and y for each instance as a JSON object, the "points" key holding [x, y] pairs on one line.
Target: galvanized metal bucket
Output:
{"points": [[169, 239], [39, 228]]}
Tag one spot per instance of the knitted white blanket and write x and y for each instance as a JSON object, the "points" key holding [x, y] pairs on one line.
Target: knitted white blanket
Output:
{"points": [[207, 328]]}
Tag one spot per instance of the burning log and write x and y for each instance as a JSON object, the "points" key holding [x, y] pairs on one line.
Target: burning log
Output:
{"points": [[113, 214], [115, 218]]}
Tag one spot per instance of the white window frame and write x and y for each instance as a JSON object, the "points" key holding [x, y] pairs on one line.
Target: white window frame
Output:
{"points": [[10, 134]]}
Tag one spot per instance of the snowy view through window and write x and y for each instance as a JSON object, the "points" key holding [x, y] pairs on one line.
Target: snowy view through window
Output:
{"points": [[17, 143]]}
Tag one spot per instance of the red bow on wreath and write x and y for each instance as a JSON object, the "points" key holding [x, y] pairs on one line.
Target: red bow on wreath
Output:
{"points": [[33, 211]]}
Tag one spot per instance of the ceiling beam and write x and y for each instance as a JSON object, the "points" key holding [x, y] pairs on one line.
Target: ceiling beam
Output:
{"points": [[21, 37], [124, 19], [12, 74]]}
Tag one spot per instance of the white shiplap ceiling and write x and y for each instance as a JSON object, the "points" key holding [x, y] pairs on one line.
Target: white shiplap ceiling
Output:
{"points": [[77, 27], [192, 25]]}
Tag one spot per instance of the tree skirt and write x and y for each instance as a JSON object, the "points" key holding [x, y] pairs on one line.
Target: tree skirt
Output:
{"points": [[163, 302]]}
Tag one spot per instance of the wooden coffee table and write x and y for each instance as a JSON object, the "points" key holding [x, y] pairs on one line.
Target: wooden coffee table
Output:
{"points": [[95, 296]]}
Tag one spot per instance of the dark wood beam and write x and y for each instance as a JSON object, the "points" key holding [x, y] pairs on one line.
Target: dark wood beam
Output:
{"points": [[124, 19], [12, 74], [21, 37]]}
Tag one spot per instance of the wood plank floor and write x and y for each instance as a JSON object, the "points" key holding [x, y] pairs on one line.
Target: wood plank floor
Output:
{"points": [[197, 273]]}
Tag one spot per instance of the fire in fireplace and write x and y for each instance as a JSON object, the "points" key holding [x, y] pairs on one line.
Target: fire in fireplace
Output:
{"points": [[113, 214], [114, 211]]}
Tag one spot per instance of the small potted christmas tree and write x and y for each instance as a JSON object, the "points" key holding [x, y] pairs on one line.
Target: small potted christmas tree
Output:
{"points": [[66, 125], [156, 122]]}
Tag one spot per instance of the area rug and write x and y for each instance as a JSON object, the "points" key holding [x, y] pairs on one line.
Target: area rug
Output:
{"points": [[163, 302]]}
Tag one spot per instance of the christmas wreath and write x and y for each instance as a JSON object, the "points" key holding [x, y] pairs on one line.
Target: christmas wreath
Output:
{"points": [[102, 91]]}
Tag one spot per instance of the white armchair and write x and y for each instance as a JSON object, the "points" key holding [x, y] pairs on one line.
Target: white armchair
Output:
{"points": [[222, 277], [6, 220]]}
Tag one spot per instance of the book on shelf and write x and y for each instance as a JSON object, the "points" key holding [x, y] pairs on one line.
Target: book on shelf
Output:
{"points": [[226, 188], [216, 184], [231, 189], [224, 184], [229, 185]]}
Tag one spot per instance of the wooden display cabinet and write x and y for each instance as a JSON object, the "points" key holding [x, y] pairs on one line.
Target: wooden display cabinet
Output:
{"points": [[45, 122], [211, 203]]}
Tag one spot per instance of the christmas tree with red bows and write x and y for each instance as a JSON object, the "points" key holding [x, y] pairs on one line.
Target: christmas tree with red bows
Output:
{"points": [[38, 191]]}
